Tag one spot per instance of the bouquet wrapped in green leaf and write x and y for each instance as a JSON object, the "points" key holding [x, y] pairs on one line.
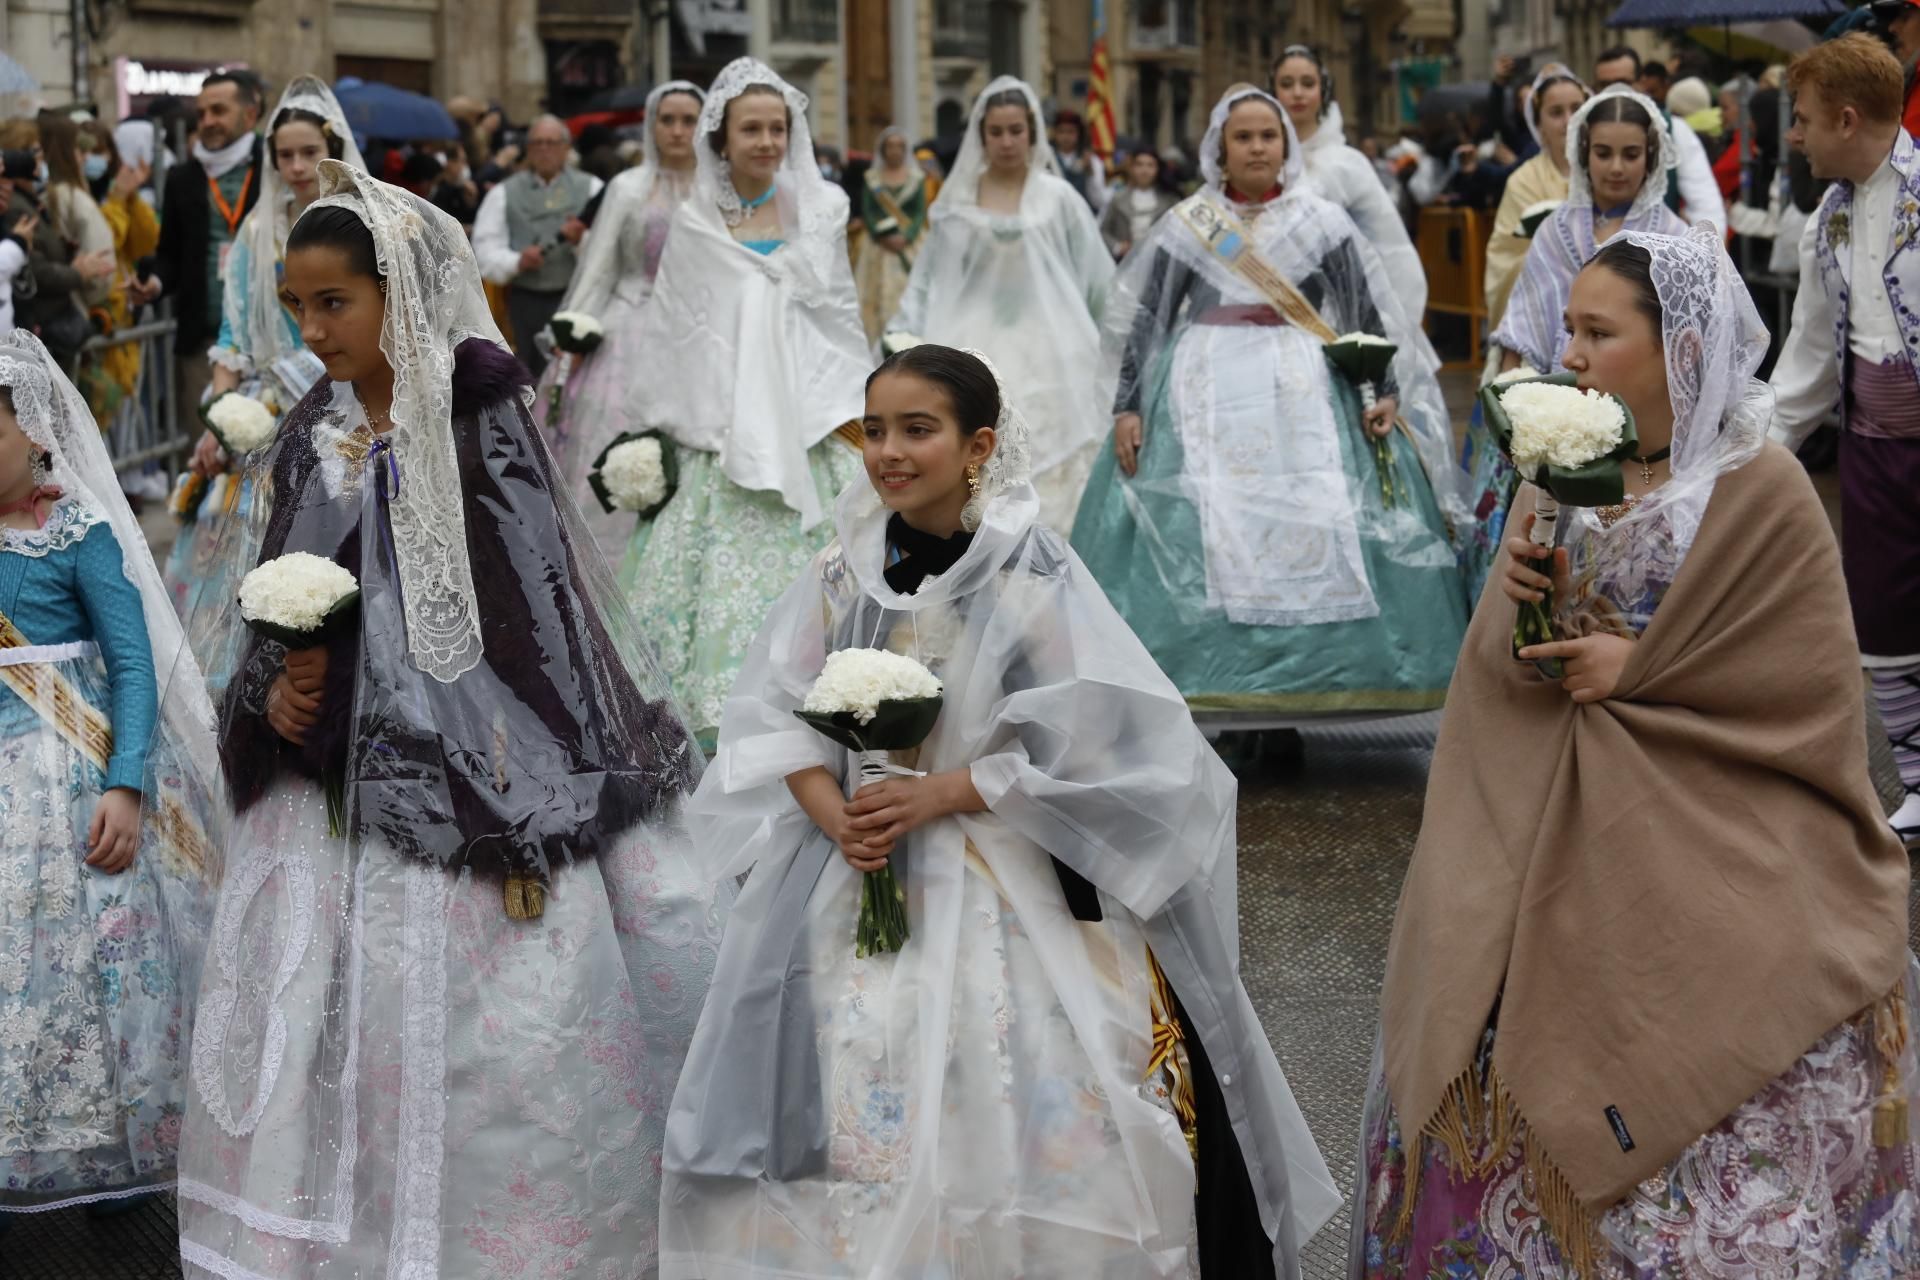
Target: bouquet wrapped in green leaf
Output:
{"points": [[298, 600], [575, 334], [1365, 359], [873, 702], [1569, 443], [636, 473]]}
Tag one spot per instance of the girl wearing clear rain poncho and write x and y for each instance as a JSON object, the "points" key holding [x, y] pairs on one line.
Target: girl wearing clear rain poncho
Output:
{"points": [[754, 332], [611, 284], [1557, 94], [1059, 1073], [258, 354], [441, 1042], [1276, 544], [106, 853], [1013, 264], [1648, 1006]]}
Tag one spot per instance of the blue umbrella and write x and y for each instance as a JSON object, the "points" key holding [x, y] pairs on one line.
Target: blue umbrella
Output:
{"points": [[375, 110]]}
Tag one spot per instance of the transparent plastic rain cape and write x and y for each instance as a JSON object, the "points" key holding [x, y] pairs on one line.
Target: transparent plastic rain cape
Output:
{"points": [[1026, 288], [1535, 325], [612, 283], [1278, 519], [395, 1044], [900, 1115]]}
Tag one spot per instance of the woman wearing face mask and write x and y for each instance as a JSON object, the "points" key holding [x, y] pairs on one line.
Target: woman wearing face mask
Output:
{"points": [[1619, 152], [441, 1013], [1018, 1090], [1243, 524], [110, 376], [893, 205], [1649, 1000], [755, 331], [259, 353], [1343, 175], [1014, 265], [82, 238], [612, 284]]}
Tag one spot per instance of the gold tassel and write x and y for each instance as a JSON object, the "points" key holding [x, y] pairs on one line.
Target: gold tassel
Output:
{"points": [[1476, 1125], [1890, 1121], [526, 897]]}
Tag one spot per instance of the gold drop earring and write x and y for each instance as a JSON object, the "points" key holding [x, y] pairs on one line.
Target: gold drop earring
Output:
{"points": [[973, 480]]}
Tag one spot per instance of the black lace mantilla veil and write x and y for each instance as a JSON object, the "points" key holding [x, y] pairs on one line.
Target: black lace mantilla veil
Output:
{"points": [[560, 736]]}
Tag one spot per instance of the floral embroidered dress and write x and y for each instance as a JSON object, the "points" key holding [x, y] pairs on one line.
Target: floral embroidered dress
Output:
{"points": [[881, 273], [95, 968]]}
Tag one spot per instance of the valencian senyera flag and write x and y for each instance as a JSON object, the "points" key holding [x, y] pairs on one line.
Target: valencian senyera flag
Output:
{"points": [[1100, 88]]}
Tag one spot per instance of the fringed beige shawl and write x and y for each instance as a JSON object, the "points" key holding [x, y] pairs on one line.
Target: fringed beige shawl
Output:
{"points": [[1671, 895]]}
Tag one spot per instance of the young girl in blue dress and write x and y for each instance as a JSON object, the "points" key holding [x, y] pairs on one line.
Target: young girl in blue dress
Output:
{"points": [[94, 911]]}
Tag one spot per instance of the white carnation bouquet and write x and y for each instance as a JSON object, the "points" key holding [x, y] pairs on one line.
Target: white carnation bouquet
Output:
{"points": [[636, 473], [1569, 443], [1365, 359], [1519, 373], [872, 702], [297, 600], [575, 334], [240, 423], [293, 599]]}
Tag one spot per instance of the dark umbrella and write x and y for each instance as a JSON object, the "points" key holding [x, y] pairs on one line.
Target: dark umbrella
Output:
{"points": [[375, 110], [1699, 13]]}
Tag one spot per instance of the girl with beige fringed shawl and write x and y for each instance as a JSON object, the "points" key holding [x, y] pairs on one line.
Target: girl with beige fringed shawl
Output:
{"points": [[1648, 996]]}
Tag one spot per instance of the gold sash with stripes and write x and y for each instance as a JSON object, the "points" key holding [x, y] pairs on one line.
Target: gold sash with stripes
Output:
{"points": [[178, 837]]}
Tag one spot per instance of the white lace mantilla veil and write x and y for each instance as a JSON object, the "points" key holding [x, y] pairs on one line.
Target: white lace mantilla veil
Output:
{"points": [[55, 417], [960, 190], [1295, 233], [256, 309], [811, 208], [434, 303], [1552, 71], [599, 274], [1714, 340], [1653, 191]]}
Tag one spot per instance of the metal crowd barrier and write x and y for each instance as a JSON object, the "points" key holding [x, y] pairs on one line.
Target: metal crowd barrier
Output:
{"points": [[147, 427]]}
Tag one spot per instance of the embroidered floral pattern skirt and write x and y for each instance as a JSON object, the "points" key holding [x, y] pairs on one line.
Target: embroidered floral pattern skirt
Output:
{"points": [[93, 1021], [392, 1078], [1791, 1185], [702, 575]]}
